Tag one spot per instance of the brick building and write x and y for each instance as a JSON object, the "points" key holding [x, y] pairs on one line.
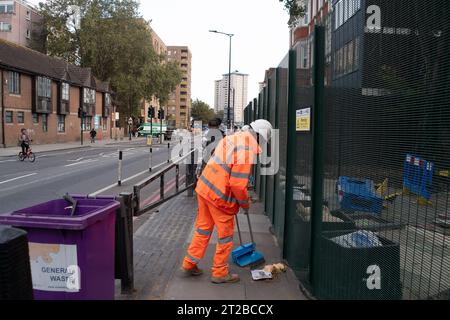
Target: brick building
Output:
{"points": [[19, 22], [43, 95], [179, 106]]}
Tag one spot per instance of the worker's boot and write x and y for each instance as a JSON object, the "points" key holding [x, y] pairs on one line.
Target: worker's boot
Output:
{"points": [[231, 278], [195, 272]]}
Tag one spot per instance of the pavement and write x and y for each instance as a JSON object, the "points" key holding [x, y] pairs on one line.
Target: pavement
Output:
{"points": [[160, 244]]}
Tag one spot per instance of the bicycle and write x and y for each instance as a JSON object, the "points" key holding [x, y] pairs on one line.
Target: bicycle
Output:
{"points": [[29, 155]]}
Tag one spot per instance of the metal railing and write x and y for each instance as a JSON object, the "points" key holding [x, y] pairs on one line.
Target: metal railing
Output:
{"points": [[161, 175]]}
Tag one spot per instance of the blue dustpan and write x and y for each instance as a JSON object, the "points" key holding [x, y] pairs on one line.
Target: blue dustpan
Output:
{"points": [[243, 250], [246, 255]]}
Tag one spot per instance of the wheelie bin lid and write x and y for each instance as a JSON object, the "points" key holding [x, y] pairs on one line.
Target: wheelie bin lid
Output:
{"points": [[57, 214]]}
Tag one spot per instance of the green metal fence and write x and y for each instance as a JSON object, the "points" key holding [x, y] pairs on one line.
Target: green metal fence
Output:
{"points": [[361, 201]]}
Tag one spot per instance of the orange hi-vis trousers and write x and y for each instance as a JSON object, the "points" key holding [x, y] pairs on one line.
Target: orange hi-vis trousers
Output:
{"points": [[209, 216]]}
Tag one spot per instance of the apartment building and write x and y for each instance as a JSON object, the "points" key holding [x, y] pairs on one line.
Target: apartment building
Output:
{"points": [[238, 96], [18, 21], [180, 103], [44, 95]]}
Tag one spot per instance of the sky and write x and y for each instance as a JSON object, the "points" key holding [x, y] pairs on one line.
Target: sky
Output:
{"points": [[261, 37]]}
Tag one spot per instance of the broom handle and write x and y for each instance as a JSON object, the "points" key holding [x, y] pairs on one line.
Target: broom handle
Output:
{"points": [[239, 230], [250, 226]]}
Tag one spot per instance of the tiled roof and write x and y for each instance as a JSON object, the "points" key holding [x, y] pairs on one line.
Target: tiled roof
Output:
{"points": [[30, 61]]}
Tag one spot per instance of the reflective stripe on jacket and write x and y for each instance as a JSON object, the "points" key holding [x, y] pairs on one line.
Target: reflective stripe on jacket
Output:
{"points": [[224, 180]]}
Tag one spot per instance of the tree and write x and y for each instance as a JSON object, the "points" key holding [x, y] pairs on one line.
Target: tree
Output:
{"points": [[296, 10], [201, 111], [111, 38]]}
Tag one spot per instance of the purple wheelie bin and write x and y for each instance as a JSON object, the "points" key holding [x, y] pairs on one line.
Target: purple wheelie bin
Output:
{"points": [[71, 252]]}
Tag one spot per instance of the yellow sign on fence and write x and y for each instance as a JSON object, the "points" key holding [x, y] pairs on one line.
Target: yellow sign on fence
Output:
{"points": [[304, 120]]}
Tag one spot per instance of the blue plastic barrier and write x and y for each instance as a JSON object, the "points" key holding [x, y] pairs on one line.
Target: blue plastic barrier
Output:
{"points": [[418, 176]]}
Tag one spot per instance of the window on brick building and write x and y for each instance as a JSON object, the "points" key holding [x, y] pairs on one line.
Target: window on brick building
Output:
{"points": [[9, 117], [20, 117], [5, 26], [35, 118], [7, 7], [14, 82], [65, 91], [89, 96], [61, 123], [105, 124], [88, 123], [45, 123], [44, 87]]}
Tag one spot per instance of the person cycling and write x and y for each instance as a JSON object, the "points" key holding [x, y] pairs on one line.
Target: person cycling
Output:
{"points": [[24, 141]]}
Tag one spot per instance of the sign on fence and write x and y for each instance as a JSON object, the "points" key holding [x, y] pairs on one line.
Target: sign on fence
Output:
{"points": [[304, 120]]}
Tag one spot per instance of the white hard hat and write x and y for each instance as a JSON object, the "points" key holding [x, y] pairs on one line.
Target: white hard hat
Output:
{"points": [[262, 127], [246, 128]]}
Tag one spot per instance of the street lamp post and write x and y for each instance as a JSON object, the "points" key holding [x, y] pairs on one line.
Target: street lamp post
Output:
{"points": [[229, 78]]}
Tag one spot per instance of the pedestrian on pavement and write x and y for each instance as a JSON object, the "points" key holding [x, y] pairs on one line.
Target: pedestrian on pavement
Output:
{"points": [[24, 140], [93, 134], [221, 192], [211, 141]]}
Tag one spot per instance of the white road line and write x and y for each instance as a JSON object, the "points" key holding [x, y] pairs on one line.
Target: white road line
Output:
{"points": [[82, 162], [79, 159], [22, 177], [124, 181], [7, 161], [115, 184]]}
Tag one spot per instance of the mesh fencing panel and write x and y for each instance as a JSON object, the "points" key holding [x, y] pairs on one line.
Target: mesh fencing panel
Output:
{"points": [[385, 217]]}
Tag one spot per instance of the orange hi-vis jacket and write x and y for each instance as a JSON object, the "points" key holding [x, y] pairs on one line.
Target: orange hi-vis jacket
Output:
{"points": [[224, 180]]}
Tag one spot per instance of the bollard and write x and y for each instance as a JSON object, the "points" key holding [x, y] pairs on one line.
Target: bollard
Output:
{"points": [[168, 152], [120, 168], [150, 163], [191, 177], [181, 149], [124, 238]]}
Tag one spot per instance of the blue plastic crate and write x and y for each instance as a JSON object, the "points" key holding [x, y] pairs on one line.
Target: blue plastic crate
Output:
{"points": [[358, 195], [418, 176]]}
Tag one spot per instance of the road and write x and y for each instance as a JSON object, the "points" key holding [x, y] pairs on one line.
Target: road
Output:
{"points": [[92, 170]]}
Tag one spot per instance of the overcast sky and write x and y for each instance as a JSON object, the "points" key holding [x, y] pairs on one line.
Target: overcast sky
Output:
{"points": [[261, 37]]}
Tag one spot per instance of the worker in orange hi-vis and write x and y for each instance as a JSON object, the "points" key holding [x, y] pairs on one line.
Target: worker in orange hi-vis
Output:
{"points": [[222, 190]]}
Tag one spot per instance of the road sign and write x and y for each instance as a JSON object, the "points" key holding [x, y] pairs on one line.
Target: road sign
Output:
{"points": [[96, 122]]}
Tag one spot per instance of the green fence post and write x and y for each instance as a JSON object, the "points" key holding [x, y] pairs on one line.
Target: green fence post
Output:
{"points": [[318, 150], [291, 148]]}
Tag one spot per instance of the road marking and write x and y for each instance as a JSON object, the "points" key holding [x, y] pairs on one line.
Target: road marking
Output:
{"points": [[82, 162], [124, 181], [22, 177], [79, 159], [7, 161], [115, 184]]}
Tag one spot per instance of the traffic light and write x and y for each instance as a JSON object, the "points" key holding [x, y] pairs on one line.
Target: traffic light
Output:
{"points": [[159, 114], [151, 112]]}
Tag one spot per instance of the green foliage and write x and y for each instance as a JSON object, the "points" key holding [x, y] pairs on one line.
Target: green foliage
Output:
{"points": [[114, 41], [296, 10], [201, 111]]}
